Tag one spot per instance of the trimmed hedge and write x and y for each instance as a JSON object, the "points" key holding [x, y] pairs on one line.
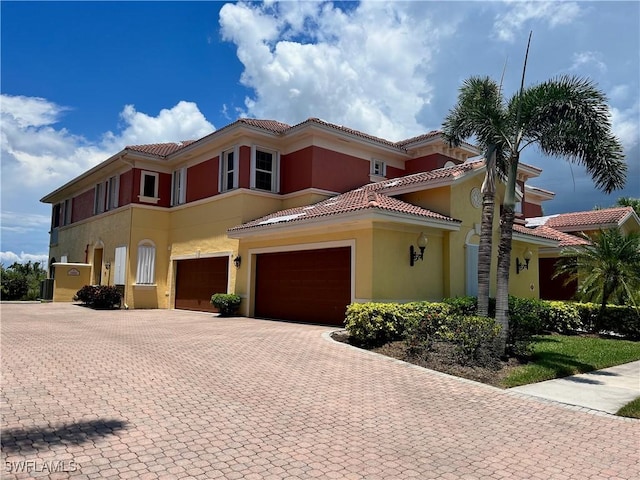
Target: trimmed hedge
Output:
{"points": [[421, 323], [99, 296], [227, 303]]}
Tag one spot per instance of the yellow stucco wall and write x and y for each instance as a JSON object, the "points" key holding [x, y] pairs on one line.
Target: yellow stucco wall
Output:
{"points": [[393, 277], [69, 278]]}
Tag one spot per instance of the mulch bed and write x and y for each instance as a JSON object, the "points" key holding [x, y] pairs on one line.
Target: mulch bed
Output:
{"points": [[441, 360]]}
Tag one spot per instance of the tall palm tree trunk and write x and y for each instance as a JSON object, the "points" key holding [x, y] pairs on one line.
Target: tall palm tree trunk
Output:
{"points": [[486, 232], [504, 253]]}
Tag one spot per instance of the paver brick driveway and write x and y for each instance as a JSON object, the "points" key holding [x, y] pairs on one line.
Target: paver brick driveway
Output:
{"points": [[172, 394]]}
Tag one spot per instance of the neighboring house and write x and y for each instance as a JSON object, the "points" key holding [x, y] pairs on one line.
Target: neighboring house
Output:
{"points": [[568, 229], [299, 220]]}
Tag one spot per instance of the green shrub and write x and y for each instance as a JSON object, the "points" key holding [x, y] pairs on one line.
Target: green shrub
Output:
{"points": [[475, 339], [561, 317], [14, 288], [226, 303], [375, 323], [421, 336], [525, 321], [99, 296], [623, 320]]}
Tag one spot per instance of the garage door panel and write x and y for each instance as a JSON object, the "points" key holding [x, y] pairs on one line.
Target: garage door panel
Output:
{"points": [[310, 285], [198, 279]]}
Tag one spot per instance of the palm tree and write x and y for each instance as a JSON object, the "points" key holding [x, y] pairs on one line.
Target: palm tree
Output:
{"points": [[565, 117], [478, 113], [629, 202], [607, 269]]}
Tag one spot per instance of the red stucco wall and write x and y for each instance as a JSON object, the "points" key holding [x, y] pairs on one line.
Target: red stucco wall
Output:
{"points": [[202, 180]]}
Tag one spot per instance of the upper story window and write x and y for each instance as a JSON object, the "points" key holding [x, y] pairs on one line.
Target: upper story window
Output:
{"points": [[149, 187], [98, 199], [113, 191], [228, 170], [378, 168], [264, 169], [178, 187], [66, 212]]}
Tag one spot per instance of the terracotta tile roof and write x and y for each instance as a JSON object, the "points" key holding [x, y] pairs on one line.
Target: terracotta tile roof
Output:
{"points": [[271, 125], [350, 131], [160, 149], [419, 138], [578, 220], [355, 200], [564, 239], [453, 172]]}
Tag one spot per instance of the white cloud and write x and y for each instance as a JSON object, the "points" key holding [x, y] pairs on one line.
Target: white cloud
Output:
{"points": [[521, 15], [37, 154], [626, 125], [366, 67], [619, 93], [586, 59], [9, 258]]}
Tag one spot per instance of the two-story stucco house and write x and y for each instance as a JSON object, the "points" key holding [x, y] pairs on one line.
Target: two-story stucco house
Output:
{"points": [[298, 220]]}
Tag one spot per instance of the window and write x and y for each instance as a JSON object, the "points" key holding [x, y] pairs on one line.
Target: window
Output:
{"points": [[149, 187], [264, 167], [228, 170], [119, 265], [113, 190], [55, 215], [178, 186], [146, 263], [66, 207], [379, 168], [98, 199]]}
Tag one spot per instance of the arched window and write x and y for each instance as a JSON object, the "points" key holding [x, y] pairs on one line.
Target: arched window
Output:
{"points": [[146, 273]]}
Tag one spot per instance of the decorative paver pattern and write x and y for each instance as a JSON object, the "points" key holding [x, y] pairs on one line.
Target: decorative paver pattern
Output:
{"points": [[174, 394]]}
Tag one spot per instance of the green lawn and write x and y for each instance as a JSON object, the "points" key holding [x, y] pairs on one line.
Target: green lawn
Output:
{"points": [[558, 356], [631, 409]]}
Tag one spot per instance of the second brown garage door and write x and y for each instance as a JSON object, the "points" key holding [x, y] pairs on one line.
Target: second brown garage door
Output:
{"points": [[198, 279], [306, 286]]}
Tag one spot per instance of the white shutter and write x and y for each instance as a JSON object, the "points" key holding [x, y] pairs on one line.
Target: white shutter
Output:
{"points": [[471, 260], [120, 265]]}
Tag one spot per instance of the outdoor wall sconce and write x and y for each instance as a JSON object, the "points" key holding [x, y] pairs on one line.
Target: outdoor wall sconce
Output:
{"points": [[523, 266], [237, 261], [414, 256], [107, 265]]}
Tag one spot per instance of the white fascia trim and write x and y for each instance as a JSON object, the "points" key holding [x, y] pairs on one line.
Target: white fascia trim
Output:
{"points": [[345, 220], [72, 264], [197, 255], [307, 191], [543, 242], [529, 170]]}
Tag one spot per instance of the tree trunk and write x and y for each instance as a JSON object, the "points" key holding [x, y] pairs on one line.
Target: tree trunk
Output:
{"points": [[504, 253], [484, 254]]}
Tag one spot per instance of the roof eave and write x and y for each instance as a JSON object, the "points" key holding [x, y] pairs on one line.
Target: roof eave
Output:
{"points": [[369, 214]]}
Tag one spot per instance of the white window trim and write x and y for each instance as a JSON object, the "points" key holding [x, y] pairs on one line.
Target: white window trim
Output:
{"points": [[382, 163], [181, 187], [151, 273], [144, 198], [275, 173], [222, 177]]}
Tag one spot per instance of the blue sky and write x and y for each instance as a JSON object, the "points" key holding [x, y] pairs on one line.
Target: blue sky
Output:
{"points": [[80, 80]]}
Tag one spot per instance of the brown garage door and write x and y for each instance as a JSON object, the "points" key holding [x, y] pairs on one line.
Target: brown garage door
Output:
{"points": [[198, 279], [307, 286]]}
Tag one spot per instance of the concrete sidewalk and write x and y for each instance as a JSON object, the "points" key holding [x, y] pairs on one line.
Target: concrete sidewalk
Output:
{"points": [[604, 390]]}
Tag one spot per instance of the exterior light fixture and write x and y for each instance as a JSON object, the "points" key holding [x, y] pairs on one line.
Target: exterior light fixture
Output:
{"points": [[523, 265], [237, 261], [107, 265], [414, 256]]}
